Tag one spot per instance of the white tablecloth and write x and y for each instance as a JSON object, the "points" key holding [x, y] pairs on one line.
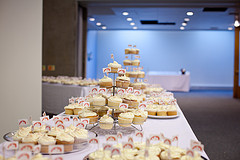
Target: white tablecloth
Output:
{"points": [[56, 96], [169, 127], [172, 81]]}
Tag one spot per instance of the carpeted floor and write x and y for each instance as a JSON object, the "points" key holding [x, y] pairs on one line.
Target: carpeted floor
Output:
{"points": [[215, 119]]}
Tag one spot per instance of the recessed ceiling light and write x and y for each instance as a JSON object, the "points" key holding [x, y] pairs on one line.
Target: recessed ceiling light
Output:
{"points": [[190, 13], [135, 27], [92, 19], [125, 13], [129, 19], [98, 24], [230, 28], [132, 24], [184, 24], [104, 27], [182, 28], [186, 19]]}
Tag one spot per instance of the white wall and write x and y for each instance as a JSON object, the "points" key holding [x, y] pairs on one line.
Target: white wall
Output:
{"points": [[208, 55], [20, 62]]}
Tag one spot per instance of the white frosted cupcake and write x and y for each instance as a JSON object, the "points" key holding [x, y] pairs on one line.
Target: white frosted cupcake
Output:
{"points": [[114, 66], [89, 114], [127, 62], [139, 116], [106, 122], [136, 62], [106, 82], [98, 101], [114, 101], [66, 140], [125, 119], [45, 141]]}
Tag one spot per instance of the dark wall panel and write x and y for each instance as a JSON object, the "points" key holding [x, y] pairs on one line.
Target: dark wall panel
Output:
{"points": [[60, 37]]}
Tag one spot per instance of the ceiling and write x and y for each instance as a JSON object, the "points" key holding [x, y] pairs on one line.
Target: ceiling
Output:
{"points": [[109, 13]]}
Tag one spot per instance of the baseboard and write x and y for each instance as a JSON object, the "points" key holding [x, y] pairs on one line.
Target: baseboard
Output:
{"points": [[210, 88]]}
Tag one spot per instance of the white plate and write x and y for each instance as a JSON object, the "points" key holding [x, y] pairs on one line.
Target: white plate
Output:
{"points": [[163, 117]]}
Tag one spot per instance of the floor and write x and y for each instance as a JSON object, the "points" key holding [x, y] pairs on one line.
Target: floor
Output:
{"points": [[215, 119]]}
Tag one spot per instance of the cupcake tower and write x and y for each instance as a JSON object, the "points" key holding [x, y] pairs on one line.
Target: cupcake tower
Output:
{"points": [[134, 71]]}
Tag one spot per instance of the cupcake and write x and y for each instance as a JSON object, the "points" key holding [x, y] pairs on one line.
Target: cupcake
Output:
{"points": [[55, 131], [45, 141], [100, 110], [127, 51], [89, 114], [32, 138], [114, 66], [171, 110], [98, 101], [136, 62], [125, 119], [127, 74], [140, 74], [133, 74], [137, 51], [69, 109], [123, 81], [161, 111], [22, 132], [131, 100], [106, 82], [127, 62], [106, 122], [151, 109], [114, 101], [132, 51], [66, 140], [80, 135], [77, 108], [136, 85], [139, 116], [41, 129], [117, 111]]}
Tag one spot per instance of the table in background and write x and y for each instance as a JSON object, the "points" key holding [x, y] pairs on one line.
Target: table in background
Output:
{"points": [[171, 81], [56, 96]]}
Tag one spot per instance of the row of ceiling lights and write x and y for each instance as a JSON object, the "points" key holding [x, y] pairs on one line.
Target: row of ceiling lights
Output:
{"points": [[98, 23], [186, 20], [129, 19], [184, 24]]}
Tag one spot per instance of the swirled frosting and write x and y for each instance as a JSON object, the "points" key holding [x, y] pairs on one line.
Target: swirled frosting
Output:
{"points": [[127, 115], [114, 65], [105, 79], [106, 119], [46, 140], [65, 137]]}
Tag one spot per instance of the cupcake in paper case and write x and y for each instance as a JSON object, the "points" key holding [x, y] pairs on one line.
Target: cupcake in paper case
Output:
{"points": [[55, 131], [127, 51], [140, 74], [127, 62], [139, 116], [151, 109], [133, 74], [98, 100], [114, 101], [100, 110], [125, 119], [136, 62], [80, 136], [123, 82], [32, 138], [66, 140], [173, 155], [41, 129], [106, 122], [114, 66], [22, 132], [69, 109], [106, 82], [171, 110], [117, 111], [45, 141], [89, 114], [161, 110]]}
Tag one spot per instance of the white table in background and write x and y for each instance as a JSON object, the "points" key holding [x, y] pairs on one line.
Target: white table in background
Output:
{"points": [[171, 81], [56, 96]]}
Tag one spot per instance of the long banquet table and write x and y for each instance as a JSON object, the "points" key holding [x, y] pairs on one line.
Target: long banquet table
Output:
{"points": [[171, 81], [169, 127], [55, 96]]}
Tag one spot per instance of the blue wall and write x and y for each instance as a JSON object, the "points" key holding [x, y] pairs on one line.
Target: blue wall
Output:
{"points": [[208, 55], [92, 54]]}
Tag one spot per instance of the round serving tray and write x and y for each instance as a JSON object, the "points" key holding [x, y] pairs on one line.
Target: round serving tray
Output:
{"points": [[76, 146]]}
